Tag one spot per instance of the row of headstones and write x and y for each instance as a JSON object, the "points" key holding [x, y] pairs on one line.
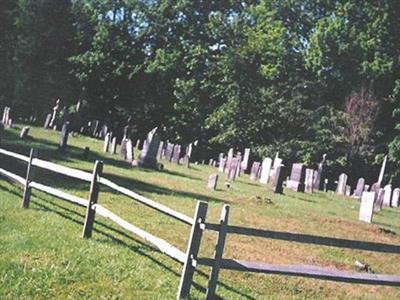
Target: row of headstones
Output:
{"points": [[373, 201]]}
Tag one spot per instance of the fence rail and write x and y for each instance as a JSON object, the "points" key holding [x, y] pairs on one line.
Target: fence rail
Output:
{"points": [[198, 223]]}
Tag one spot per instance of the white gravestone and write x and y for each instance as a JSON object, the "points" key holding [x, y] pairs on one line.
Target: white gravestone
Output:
{"points": [[265, 170], [367, 207]]}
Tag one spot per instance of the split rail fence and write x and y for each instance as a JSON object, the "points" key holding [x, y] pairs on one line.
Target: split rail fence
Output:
{"points": [[198, 224]]}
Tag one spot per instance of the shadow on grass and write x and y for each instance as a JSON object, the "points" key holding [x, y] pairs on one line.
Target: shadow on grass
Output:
{"points": [[77, 218]]}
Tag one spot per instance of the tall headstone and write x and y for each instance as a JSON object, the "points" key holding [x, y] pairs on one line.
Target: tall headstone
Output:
{"points": [[367, 207], [358, 192], [309, 181], [160, 150], [212, 181], [122, 149], [395, 197], [296, 181], [320, 176], [239, 165], [245, 162], [232, 172], [64, 136], [114, 145], [277, 182], [382, 172], [129, 151], [348, 190], [388, 195], [176, 154], [47, 121], [148, 156], [265, 170], [254, 171], [341, 187], [379, 201], [221, 166], [168, 151], [229, 160], [107, 140]]}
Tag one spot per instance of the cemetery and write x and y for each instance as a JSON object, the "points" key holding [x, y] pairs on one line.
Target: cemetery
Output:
{"points": [[269, 211], [199, 149]]}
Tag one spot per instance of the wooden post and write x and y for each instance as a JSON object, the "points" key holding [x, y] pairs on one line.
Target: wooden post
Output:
{"points": [[192, 250], [29, 175], [219, 250], [93, 196]]}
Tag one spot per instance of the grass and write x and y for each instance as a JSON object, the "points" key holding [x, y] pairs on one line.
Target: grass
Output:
{"points": [[43, 256]]}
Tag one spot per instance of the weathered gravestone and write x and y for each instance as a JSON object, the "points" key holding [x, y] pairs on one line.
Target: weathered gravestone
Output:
{"points": [[358, 192], [245, 162], [129, 151], [296, 181], [320, 176], [265, 170], [24, 132], [168, 151], [114, 145], [122, 149], [47, 121], [229, 161], [341, 187], [395, 197], [221, 166], [367, 207], [212, 181], [176, 154], [64, 136], [348, 190], [239, 166], [148, 156], [254, 171], [309, 181], [277, 181], [388, 195], [379, 200], [277, 162], [107, 140], [232, 172], [366, 188], [160, 151]]}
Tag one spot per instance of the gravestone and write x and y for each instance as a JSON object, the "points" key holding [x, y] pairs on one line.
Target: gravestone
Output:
{"points": [[309, 181], [129, 151], [341, 187], [245, 162], [47, 121], [114, 145], [107, 140], [24, 132], [395, 197], [367, 207], [320, 176], [277, 182], [359, 188], [212, 181], [148, 156], [64, 136], [265, 170], [232, 172], [210, 162], [348, 190], [254, 171], [221, 166], [239, 165], [176, 154], [160, 151], [366, 188], [229, 161], [296, 181], [388, 195], [122, 150], [379, 201], [168, 151], [277, 162]]}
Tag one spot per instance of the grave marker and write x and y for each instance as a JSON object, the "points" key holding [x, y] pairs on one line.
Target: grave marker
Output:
{"points": [[114, 145], [367, 207], [212, 181], [148, 156], [24, 132], [265, 170], [395, 197], [296, 181], [254, 171], [341, 187], [388, 195], [309, 181], [277, 182], [358, 192], [64, 136]]}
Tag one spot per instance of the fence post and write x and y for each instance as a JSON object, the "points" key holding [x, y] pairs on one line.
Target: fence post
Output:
{"points": [[219, 250], [192, 250], [93, 196], [29, 176]]}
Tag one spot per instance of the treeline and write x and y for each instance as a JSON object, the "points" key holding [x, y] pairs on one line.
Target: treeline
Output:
{"points": [[302, 77]]}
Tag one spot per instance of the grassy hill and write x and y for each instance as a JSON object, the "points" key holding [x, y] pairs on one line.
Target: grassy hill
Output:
{"points": [[43, 256]]}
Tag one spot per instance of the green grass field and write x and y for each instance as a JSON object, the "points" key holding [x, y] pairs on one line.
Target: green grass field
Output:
{"points": [[42, 254]]}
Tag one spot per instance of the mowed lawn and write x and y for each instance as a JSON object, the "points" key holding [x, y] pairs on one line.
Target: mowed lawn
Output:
{"points": [[42, 254]]}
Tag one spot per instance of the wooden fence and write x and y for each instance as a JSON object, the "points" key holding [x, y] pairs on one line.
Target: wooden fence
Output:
{"points": [[198, 224]]}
